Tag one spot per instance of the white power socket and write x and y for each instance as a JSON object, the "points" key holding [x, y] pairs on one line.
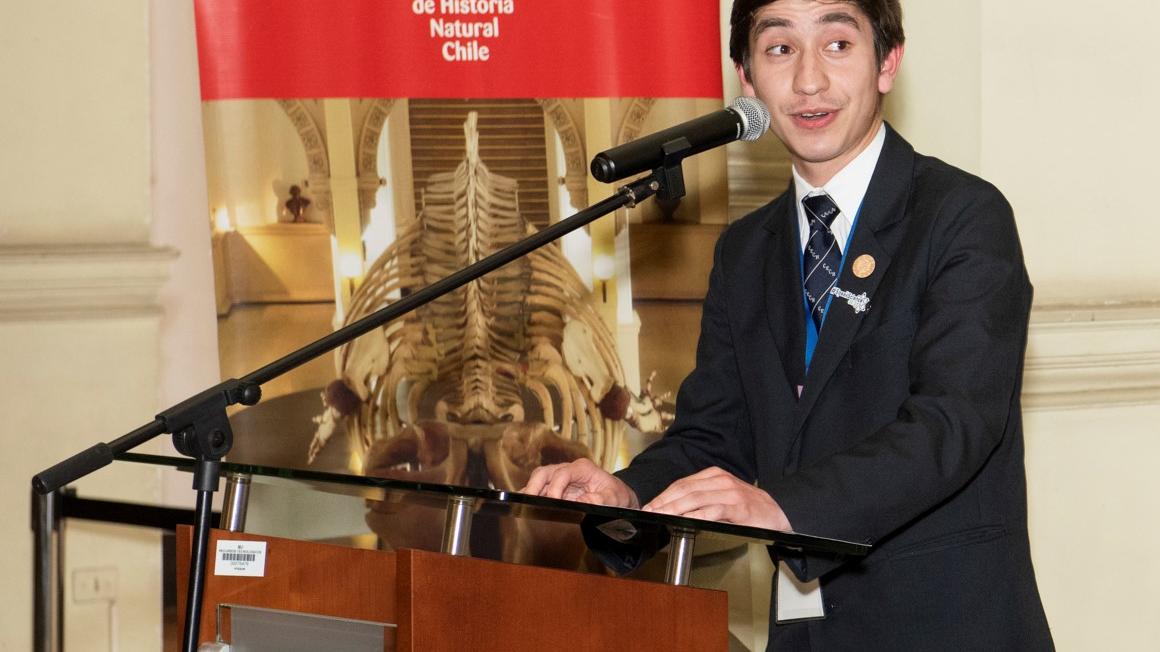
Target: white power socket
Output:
{"points": [[95, 584]]}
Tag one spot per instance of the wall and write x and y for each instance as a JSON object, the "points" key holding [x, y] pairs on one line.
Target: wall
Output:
{"points": [[1067, 130], [1093, 487], [75, 137], [79, 308], [1047, 102]]}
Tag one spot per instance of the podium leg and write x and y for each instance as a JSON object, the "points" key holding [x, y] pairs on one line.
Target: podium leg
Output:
{"points": [[234, 502], [680, 557], [457, 526]]}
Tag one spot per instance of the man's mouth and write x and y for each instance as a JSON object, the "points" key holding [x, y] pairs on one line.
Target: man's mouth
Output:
{"points": [[815, 119]]}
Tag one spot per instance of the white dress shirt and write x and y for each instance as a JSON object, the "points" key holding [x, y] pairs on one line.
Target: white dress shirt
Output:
{"points": [[847, 189]]}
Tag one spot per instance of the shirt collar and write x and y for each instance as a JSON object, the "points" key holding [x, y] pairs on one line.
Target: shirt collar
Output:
{"points": [[847, 188]]}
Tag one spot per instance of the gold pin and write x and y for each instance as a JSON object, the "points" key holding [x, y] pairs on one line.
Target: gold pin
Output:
{"points": [[863, 266]]}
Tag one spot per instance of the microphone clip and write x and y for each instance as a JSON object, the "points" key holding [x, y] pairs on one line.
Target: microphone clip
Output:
{"points": [[670, 175]]}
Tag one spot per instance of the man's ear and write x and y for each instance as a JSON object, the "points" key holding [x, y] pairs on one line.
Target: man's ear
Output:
{"points": [[746, 86], [889, 69]]}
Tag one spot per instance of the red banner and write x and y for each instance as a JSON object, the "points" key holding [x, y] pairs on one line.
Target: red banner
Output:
{"points": [[458, 48]]}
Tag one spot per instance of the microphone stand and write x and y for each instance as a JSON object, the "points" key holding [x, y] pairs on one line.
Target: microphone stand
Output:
{"points": [[201, 429]]}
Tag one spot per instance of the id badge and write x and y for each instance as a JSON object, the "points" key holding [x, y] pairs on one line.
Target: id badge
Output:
{"points": [[797, 600]]}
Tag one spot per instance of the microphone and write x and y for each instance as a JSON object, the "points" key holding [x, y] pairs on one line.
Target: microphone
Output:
{"points": [[746, 119]]}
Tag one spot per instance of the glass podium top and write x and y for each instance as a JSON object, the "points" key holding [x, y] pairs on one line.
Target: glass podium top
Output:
{"points": [[271, 444], [512, 504]]}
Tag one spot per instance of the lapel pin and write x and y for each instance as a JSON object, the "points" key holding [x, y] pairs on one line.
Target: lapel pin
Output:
{"points": [[859, 302], [863, 266]]}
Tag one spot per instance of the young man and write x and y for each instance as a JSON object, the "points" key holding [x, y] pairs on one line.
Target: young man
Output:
{"points": [[859, 366]]}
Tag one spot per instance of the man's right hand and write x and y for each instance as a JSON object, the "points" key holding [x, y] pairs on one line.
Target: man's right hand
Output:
{"points": [[582, 481]]}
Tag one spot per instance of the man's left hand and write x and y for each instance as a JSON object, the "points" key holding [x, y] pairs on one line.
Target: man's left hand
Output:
{"points": [[714, 494]]}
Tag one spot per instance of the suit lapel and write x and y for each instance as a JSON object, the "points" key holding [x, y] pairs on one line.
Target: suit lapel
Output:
{"points": [[783, 302], [884, 204], [785, 316]]}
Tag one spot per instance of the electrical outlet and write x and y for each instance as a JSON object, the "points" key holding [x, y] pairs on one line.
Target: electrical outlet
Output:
{"points": [[95, 584]]}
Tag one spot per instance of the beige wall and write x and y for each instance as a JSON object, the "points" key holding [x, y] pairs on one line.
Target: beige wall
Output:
{"points": [[98, 198], [1068, 131], [79, 313], [74, 140], [1049, 101], [1093, 487], [69, 383], [936, 103]]}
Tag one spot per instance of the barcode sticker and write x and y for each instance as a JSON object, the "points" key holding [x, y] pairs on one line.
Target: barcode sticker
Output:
{"points": [[240, 558]]}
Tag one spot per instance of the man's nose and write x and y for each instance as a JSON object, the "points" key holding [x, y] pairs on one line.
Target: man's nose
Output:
{"points": [[810, 74]]}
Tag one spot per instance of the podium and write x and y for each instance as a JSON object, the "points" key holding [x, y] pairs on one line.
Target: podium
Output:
{"points": [[448, 600], [445, 602]]}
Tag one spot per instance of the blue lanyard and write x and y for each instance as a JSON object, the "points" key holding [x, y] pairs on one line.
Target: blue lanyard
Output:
{"points": [[811, 329]]}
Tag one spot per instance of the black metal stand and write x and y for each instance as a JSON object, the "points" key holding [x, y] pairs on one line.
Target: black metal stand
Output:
{"points": [[50, 512], [205, 480], [47, 587], [201, 429]]}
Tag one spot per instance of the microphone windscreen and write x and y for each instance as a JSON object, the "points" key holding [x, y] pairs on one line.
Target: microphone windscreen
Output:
{"points": [[754, 117]]}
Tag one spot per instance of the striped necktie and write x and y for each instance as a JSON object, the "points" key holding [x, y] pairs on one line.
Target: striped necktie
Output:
{"points": [[822, 256]]}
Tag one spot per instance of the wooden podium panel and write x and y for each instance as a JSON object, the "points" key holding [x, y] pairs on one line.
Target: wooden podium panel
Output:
{"points": [[441, 602], [300, 576]]}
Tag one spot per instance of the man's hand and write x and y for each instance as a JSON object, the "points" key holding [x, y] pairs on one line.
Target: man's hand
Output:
{"points": [[717, 495], [581, 480]]}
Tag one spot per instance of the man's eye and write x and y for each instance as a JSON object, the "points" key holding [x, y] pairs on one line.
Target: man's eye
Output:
{"points": [[838, 46], [778, 50]]}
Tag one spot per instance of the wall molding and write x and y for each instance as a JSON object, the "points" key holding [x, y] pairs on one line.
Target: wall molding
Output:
{"points": [[1078, 356], [98, 281], [1093, 356]]}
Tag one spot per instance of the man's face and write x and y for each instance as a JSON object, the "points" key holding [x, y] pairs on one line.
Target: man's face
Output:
{"points": [[813, 65]]}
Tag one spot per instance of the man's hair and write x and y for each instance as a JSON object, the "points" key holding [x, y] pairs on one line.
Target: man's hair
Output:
{"points": [[885, 20]]}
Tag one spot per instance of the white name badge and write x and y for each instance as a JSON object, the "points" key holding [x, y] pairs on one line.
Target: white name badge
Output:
{"points": [[240, 558], [797, 600]]}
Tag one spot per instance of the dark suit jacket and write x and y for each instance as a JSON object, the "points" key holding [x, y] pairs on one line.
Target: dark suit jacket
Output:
{"points": [[908, 433]]}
